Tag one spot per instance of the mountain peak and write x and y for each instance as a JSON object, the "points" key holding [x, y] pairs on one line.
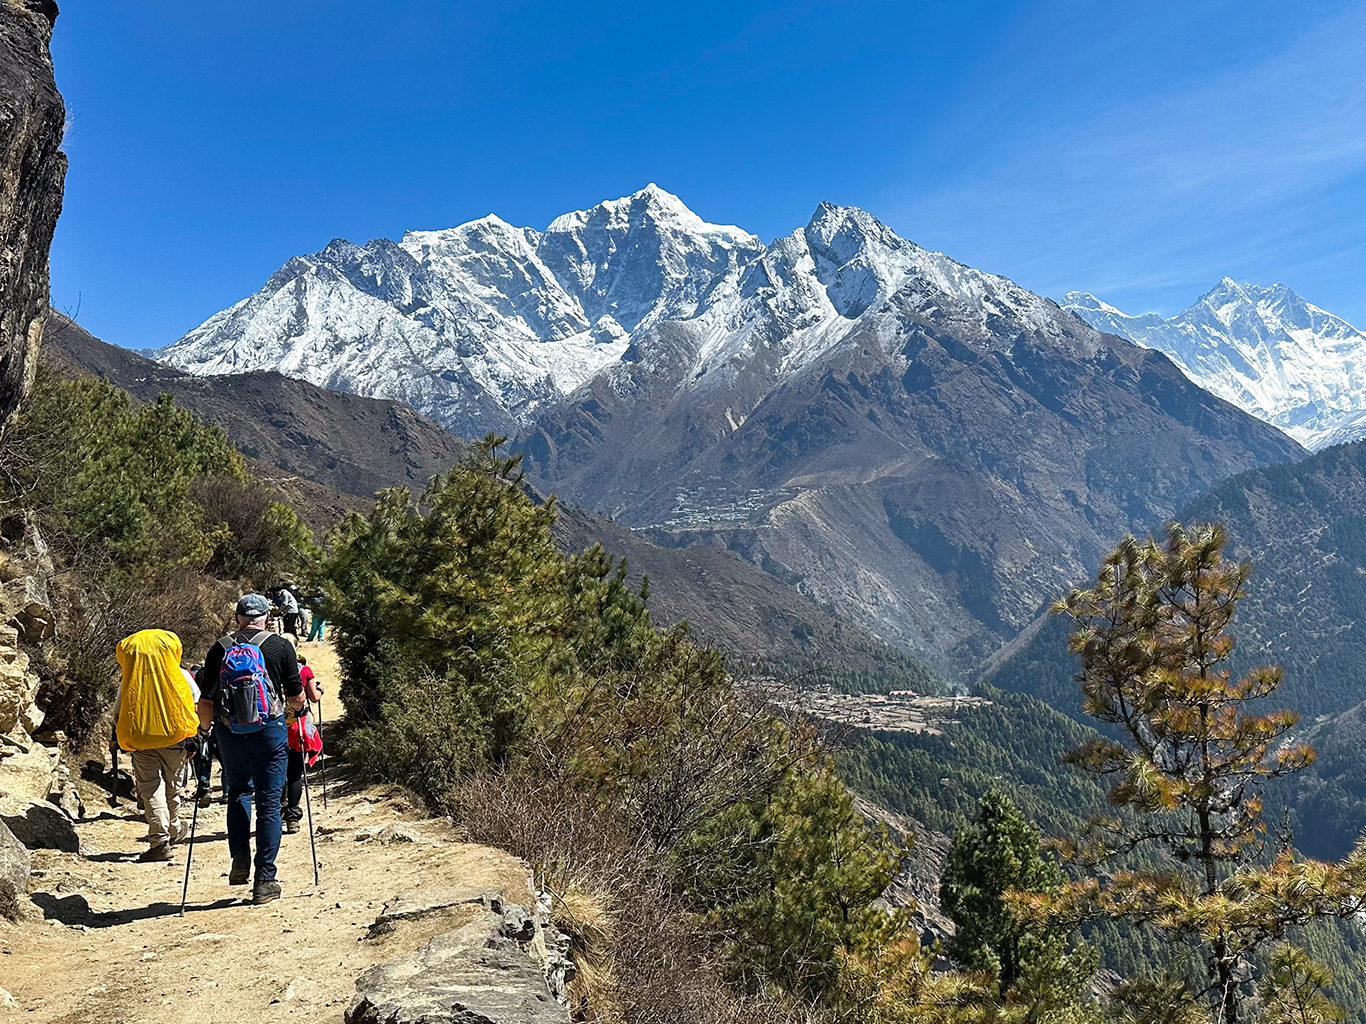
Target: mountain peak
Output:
{"points": [[652, 206], [1263, 348], [1085, 300]]}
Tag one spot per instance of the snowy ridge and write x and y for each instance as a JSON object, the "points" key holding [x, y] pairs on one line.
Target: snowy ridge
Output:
{"points": [[484, 324], [1266, 350]]}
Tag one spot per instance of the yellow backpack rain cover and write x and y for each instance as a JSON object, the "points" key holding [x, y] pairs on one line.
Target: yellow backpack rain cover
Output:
{"points": [[156, 707]]}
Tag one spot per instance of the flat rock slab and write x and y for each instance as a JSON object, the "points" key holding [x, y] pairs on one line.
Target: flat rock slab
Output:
{"points": [[426, 902], [450, 981]]}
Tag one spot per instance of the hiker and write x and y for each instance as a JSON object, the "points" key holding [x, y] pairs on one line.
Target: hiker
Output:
{"points": [[317, 630], [249, 678], [155, 715], [289, 611], [299, 747]]}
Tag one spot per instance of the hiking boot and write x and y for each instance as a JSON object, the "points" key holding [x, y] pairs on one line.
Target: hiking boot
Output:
{"points": [[203, 797], [265, 892], [162, 851], [291, 826], [241, 871]]}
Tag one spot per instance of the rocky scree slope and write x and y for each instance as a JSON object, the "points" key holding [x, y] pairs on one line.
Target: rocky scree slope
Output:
{"points": [[1266, 350], [924, 447]]}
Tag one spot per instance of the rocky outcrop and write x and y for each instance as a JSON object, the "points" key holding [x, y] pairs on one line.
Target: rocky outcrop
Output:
{"points": [[32, 172], [916, 884], [37, 798], [14, 859], [492, 967]]}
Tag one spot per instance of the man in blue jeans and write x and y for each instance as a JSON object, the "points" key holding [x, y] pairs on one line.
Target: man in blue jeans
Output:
{"points": [[253, 762]]}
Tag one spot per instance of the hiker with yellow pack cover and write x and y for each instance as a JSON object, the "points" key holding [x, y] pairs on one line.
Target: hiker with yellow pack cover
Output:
{"points": [[156, 715]]}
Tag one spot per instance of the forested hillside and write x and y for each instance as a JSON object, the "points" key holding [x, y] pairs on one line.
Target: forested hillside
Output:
{"points": [[1303, 528]]}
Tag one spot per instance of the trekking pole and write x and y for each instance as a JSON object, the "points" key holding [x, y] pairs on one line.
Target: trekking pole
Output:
{"points": [[114, 795], [189, 856], [308, 806], [322, 753]]}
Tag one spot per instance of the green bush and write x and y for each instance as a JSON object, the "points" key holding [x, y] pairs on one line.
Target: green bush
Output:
{"points": [[151, 519]]}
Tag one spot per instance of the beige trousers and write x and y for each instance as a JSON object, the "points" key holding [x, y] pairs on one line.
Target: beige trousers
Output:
{"points": [[157, 773]]}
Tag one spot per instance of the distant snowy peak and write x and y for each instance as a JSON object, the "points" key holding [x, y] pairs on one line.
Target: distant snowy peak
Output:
{"points": [[1266, 350], [483, 324]]}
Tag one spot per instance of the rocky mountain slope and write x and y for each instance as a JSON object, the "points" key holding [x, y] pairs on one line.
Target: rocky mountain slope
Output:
{"points": [[927, 448], [945, 458], [1266, 350], [330, 452], [292, 431], [482, 324], [1303, 527]]}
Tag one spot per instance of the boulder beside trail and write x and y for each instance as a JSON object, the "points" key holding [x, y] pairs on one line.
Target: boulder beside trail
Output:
{"points": [[14, 859], [485, 971], [453, 980], [40, 825]]}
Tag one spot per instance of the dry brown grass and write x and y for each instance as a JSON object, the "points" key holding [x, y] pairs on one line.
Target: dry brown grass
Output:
{"points": [[641, 956]]}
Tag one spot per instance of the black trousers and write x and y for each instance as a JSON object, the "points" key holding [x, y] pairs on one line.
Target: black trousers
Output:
{"points": [[294, 786], [292, 624]]}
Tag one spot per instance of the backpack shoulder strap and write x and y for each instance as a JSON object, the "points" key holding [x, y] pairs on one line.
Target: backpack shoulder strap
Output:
{"points": [[259, 638], [226, 642]]}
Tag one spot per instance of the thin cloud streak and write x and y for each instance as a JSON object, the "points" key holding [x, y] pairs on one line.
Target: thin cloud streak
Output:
{"points": [[1144, 198]]}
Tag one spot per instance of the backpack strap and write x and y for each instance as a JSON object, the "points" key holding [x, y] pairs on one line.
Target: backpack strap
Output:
{"points": [[256, 641], [226, 642]]}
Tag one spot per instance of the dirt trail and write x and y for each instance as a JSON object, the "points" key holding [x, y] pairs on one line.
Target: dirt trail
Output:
{"points": [[103, 944]]}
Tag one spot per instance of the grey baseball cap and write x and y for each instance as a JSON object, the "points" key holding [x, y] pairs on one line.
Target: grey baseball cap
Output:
{"points": [[251, 606]]}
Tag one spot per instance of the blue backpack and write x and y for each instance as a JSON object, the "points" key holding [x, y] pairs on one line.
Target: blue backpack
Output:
{"points": [[247, 700]]}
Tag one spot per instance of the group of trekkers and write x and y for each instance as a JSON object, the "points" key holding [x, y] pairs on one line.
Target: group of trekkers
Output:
{"points": [[294, 612], [250, 701]]}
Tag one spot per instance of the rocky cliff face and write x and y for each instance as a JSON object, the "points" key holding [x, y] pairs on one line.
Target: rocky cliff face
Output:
{"points": [[32, 171]]}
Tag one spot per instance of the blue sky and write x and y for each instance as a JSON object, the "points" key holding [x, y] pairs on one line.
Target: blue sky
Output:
{"points": [[1139, 151]]}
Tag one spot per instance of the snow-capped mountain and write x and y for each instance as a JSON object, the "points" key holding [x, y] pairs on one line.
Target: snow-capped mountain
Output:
{"points": [[1266, 350], [484, 324], [929, 448]]}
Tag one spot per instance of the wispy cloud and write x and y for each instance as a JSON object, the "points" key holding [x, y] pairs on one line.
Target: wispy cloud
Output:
{"points": [[1152, 197]]}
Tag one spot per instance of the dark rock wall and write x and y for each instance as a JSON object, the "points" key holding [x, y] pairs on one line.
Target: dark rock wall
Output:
{"points": [[32, 171]]}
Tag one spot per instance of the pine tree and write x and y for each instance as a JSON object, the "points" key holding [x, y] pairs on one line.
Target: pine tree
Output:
{"points": [[997, 853], [465, 587], [1154, 640]]}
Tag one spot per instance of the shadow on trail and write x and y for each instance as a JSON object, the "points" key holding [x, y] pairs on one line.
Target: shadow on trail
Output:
{"points": [[74, 910], [129, 857], [97, 774]]}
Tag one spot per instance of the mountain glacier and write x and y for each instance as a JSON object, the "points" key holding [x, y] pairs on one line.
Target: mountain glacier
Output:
{"points": [[1266, 350], [485, 324]]}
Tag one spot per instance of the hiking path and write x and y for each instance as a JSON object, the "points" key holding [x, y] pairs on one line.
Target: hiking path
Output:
{"points": [[102, 941]]}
